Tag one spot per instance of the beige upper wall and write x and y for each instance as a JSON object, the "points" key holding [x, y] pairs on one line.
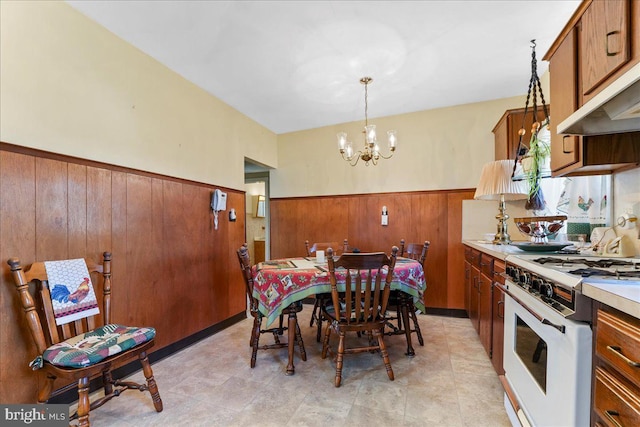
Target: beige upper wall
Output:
{"points": [[438, 149], [69, 86]]}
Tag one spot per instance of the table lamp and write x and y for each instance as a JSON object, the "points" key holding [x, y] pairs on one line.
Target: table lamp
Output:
{"points": [[496, 184]]}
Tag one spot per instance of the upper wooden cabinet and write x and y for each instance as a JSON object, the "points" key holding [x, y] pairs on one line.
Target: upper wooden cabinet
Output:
{"points": [[506, 131], [565, 149], [604, 41], [599, 44]]}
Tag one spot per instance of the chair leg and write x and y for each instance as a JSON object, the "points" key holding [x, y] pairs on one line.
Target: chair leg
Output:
{"points": [[151, 381], [256, 338], [315, 312], [279, 330], [46, 389], [319, 330], [83, 402], [339, 359], [385, 354], [325, 343], [108, 382], [303, 353], [412, 313]]}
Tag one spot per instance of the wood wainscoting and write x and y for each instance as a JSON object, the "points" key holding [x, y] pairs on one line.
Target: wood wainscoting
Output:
{"points": [[414, 216], [171, 269]]}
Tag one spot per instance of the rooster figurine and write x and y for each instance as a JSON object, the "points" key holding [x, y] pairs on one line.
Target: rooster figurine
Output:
{"points": [[61, 292]]}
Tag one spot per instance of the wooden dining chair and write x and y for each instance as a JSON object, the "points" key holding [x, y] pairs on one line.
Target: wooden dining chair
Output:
{"points": [[256, 330], [403, 302], [359, 307], [316, 314], [81, 349]]}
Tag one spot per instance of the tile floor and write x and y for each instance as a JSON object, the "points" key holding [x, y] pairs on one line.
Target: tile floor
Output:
{"points": [[450, 382]]}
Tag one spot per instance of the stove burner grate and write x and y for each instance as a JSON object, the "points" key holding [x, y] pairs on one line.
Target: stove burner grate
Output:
{"points": [[602, 263], [588, 272]]}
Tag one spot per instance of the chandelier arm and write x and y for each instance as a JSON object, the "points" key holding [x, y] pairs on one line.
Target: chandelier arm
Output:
{"points": [[386, 157], [356, 156]]}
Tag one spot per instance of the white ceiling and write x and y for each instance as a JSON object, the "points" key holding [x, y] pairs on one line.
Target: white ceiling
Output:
{"points": [[293, 65]]}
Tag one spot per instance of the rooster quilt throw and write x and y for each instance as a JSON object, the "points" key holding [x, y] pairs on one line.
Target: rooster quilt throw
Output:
{"points": [[71, 290]]}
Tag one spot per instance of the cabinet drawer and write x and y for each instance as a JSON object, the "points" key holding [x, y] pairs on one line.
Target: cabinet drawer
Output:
{"points": [[614, 401], [475, 258], [486, 265], [498, 269], [618, 343], [467, 253]]}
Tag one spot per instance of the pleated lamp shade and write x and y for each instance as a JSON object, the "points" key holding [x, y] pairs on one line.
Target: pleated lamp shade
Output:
{"points": [[495, 182]]}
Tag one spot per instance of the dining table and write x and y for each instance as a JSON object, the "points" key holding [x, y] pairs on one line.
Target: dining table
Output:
{"points": [[282, 282]]}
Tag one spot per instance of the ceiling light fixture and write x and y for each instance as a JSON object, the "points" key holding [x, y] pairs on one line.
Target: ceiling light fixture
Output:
{"points": [[371, 152]]}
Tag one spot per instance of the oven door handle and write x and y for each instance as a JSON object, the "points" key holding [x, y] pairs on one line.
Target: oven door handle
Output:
{"points": [[541, 319]]}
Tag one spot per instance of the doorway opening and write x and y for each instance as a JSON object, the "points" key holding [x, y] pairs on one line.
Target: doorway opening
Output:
{"points": [[256, 179]]}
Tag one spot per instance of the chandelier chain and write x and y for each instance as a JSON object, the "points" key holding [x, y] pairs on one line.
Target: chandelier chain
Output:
{"points": [[366, 104]]}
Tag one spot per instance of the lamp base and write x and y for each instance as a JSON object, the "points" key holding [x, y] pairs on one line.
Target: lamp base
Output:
{"points": [[502, 236]]}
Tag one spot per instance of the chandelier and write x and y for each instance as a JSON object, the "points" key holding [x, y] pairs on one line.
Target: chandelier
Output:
{"points": [[371, 152]]}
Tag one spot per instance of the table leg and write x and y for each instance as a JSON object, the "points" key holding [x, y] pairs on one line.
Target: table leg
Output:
{"points": [[292, 343], [404, 312]]}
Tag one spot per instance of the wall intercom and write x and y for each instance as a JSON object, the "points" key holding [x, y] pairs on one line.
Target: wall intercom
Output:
{"points": [[218, 203]]}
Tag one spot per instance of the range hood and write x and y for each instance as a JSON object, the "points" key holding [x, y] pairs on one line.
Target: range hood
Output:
{"points": [[614, 110]]}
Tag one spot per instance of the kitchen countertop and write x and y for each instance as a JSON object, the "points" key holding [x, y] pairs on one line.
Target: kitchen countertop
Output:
{"points": [[623, 297], [497, 251]]}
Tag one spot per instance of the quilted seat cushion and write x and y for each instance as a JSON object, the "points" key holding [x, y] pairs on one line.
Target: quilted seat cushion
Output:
{"points": [[94, 346]]}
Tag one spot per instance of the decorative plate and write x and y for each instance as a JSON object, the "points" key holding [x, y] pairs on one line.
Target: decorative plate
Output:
{"points": [[540, 247]]}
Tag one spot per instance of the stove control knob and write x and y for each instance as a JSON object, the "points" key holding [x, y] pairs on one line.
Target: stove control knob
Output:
{"points": [[536, 284], [546, 289], [525, 279]]}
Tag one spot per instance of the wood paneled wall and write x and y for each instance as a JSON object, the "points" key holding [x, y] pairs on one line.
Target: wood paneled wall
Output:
{"points": [[417, 216], [171, 269]]}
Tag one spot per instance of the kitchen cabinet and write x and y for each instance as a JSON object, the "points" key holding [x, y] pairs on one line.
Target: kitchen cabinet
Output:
{"points": [[506, 135], [616, 368], [604, 41], [474, 303], [565, 149], [485, 301], [467, 277], [497, 324], [479, 282], [578, 72]]}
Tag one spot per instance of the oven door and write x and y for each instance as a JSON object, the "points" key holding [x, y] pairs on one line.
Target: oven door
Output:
{"points": [[547, 361]]}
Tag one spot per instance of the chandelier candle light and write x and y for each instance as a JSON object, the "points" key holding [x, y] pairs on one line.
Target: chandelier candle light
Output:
{"points": [[371, 152]]}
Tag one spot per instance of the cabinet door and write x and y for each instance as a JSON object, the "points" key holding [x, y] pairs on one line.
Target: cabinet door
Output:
{"points": [[497, 339], [474, 302], [485, 298], [467, 285], [604, 41], [565, 149]]}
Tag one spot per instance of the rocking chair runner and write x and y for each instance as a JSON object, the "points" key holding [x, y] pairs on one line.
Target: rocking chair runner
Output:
{"points": [[62, 350]]}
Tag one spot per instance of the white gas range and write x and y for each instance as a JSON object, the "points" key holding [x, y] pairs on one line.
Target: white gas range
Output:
{"points": [[548, 338]]}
